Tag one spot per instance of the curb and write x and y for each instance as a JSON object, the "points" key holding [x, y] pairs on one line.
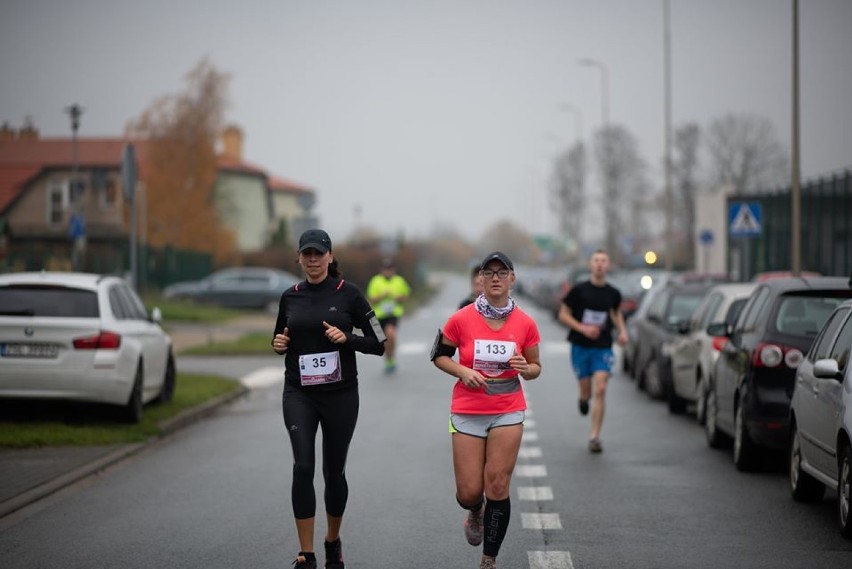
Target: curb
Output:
{"points": [[168, 427]]}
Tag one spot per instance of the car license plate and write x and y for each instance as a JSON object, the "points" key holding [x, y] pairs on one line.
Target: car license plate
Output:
{"points": [[29, 350]]}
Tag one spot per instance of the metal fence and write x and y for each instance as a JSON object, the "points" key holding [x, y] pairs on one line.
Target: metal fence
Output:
{"points": [[826, 230], [156, 267]]}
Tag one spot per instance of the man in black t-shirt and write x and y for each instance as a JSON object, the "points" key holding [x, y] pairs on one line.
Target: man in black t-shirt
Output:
{"points": [[591, 310]]}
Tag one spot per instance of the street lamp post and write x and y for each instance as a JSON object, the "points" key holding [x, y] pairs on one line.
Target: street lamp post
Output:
{"points": [[667, 102], [610, 239], [77, 225]]}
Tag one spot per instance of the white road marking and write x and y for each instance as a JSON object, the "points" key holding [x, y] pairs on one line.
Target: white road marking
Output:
{"points": [[540, 521], [554, 348], [550, 560], [535, 493], [529, 452], [413, 348], [529, 436], [529, 424], [531, 470], [263, 377]]}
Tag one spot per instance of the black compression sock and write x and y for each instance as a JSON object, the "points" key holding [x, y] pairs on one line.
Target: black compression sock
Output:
{"points": [[495, 522]]}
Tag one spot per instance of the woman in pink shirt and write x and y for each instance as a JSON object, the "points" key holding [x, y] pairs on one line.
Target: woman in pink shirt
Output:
{"points": [[497, 346]]}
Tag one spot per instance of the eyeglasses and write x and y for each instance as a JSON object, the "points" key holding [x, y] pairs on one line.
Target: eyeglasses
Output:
{"points": [[502, 273]]}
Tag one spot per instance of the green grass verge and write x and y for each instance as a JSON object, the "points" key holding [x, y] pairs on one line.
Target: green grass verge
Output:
{"points": [[188, 311], [38, 424], [251, 344]]}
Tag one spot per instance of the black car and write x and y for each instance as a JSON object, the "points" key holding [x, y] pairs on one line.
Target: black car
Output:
{"points": [[667, 317], [749, 393]]}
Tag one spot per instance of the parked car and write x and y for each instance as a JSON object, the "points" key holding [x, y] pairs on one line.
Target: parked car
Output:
{"points": [[748, 398], [237, 287], [667, 317], [821, 418], [82, 337], [694, 354]]}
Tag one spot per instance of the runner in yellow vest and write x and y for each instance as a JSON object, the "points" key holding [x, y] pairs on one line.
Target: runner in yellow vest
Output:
{"points": [[386, 291]]}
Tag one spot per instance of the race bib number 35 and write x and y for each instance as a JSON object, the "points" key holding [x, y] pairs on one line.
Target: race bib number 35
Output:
{"points": [[316, 369], [491, 357]]}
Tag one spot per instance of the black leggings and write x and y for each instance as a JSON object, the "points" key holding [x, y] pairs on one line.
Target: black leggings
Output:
{"points": [[337, 412]]}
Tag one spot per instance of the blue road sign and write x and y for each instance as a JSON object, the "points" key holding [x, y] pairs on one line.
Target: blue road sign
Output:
{"points": [[744, 219], [705, 237]]}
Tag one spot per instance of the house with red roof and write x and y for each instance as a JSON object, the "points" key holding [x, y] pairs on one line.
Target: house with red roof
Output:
{"points": [[38, 199]]}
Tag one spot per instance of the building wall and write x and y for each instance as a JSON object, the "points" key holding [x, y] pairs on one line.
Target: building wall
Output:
{"points": [[244, 206], [30, 214]]}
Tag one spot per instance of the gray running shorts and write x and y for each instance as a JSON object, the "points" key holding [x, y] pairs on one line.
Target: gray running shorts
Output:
{"points": [[479, 425]]}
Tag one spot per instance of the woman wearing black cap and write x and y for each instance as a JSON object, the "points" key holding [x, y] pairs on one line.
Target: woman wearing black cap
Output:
{"points": [[314, 331], [497, 344]]}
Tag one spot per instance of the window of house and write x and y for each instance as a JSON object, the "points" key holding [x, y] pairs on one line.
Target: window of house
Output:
{"points": [[57, 202], [105, 188]]}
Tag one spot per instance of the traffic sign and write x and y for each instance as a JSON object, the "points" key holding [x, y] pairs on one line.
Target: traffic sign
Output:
{"points": [[705, 237], [128, 173], [744, 219]]}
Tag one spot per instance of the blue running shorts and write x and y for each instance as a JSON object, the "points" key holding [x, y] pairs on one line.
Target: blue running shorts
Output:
{"points": [[587, 361]]}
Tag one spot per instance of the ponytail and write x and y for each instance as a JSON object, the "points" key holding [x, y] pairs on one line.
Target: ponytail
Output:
{"points": [[334, 269]]}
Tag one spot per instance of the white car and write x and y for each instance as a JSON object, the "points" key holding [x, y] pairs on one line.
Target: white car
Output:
{"points": [[821, 418], [695, 353], [82, 337]]}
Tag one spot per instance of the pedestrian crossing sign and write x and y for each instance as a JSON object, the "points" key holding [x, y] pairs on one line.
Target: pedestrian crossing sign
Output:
{"points": [[744, 219]]}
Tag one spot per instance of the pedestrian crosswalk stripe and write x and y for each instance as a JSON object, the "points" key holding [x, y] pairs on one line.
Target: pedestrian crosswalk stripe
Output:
{"points": [[540, 521], [531, 470], [263, 377], [550, 560], [529, 452], [535, 493], [529, 424], [529, 436], [414, 348]]}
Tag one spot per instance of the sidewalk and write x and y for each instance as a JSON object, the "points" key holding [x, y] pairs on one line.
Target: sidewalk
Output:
{"points": [[28, 475]]}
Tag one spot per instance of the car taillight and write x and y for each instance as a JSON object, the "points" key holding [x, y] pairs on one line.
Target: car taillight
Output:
{"points": [[771, 355], [719, 342], [100, 341]]}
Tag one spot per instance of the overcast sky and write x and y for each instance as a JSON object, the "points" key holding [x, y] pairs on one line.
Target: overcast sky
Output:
{"points": [[418, 113]]}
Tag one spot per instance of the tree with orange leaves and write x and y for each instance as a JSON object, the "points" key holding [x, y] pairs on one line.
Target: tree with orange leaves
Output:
{"points": [[179, 166]]}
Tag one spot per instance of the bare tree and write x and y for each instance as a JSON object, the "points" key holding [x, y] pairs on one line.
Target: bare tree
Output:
{"points": [[745, 153], [625, 187], [512, 239], [685, 162], [568, 190]]}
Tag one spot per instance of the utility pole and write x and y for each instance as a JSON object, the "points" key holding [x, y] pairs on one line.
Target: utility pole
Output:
{"points": [[667, 101], [77, 223], [795, 176]]}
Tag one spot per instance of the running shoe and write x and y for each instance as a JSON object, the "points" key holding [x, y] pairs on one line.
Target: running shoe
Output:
{"points": [[303, 562], [595, 446], [473, 527], [584, 406], [334, 554], [488, 563], [390, 366]]}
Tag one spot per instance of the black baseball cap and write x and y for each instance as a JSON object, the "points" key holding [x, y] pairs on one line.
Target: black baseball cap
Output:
{"points": [[497, 256], [315, 239]]}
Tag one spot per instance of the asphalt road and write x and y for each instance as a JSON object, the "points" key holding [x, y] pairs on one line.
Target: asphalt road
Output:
{"points": [[216, 495]]}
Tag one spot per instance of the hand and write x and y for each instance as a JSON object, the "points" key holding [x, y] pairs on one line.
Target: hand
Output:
{"points": [[519, 363], [623, 338], [281, 341], [590, 331], [472, 378], [336, 335]]}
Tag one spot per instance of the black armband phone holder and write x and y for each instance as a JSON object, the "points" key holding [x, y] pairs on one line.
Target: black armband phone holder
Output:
{"points": [[439, 348]]}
